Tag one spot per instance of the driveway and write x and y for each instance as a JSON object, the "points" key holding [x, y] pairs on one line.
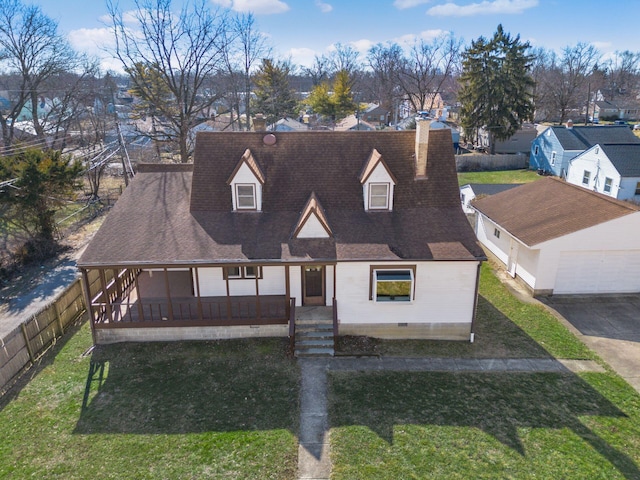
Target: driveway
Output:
{"points": [[608, 324]]}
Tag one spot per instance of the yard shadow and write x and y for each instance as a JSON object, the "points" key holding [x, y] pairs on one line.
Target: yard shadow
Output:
{"points": [[496, 336], [190, 387], [496, 403]]}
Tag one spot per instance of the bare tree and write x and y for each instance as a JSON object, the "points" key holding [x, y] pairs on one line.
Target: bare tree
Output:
{"points": [[567, 81], [344, 58], [33, 53], [185, 48], [428, 68], [387, 63], [622, 74], [319, 71]]}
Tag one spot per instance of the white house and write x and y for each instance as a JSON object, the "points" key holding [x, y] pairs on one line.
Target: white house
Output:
{"points": [[612, 169], [559, 238], [264, 225]]}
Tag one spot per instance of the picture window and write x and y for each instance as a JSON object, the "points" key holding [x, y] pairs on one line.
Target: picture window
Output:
{"points": [[393, 285]]}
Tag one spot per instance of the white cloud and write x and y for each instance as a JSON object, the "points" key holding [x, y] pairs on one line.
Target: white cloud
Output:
{"points": [[324, 7], [407, 41], [486, 7], [130, 16], [92, 41], [302, 56], [602, 45], [403, 4], [259, 7]]}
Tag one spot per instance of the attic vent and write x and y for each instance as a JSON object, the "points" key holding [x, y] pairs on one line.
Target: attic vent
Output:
{"points": [[269, 139]]}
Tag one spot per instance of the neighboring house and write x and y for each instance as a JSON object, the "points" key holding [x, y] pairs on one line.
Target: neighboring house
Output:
{"points": [[519, 142], [262, 225], [613, 170], [288, 125], [562, 239], [470, 191], [375, 115], [555, 146], [352, 122]]}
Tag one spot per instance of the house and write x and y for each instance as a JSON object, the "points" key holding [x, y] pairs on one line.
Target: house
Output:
{"points": [[589, 245], [555, 146], [288, 125], [263, 225], [611, 169], [352, 122], [375, 114], [517, 143], [470, 191]]}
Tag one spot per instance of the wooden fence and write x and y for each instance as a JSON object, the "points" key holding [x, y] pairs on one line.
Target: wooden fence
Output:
{"points": [[22, 347], [476, 162]]}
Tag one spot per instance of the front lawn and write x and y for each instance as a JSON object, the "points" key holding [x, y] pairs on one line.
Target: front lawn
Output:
{"points": [[187, 410], [499, 176], [491, 425]]}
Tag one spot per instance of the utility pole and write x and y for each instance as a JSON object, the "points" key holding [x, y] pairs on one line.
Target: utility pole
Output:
{"points": [[586, 115]]}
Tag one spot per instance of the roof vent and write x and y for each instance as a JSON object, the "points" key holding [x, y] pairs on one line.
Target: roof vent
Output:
{"points": [[569, 124], [269, 139]]}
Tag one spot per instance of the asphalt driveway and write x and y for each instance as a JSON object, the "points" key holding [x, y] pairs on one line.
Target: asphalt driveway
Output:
{"points": [[608, 324]]}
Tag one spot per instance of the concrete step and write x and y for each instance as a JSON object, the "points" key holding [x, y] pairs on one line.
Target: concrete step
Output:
{"points": [[314, 321], [314, 343], [314, 327], [314, 352], [315, 334]]}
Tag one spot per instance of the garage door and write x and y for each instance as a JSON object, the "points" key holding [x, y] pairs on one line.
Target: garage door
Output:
{"points": [[598, 272]]}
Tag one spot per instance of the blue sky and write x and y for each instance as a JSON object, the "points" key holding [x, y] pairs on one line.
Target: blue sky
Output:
{"points": [[300, 29]]}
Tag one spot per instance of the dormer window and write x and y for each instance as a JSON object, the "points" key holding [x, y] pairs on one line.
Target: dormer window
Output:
{"points": [[378, 196], [246, 183], [245, 196], [377, 184]]}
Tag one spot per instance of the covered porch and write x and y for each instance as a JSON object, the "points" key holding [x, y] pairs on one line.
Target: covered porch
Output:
{"points": [[207, 295]]}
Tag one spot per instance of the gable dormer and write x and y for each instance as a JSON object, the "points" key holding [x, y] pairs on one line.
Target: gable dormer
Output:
{"points": [[246, 183], [312, 222], [378, 184]]}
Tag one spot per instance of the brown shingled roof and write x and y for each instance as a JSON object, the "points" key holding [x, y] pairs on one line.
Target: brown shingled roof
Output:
{"points": [[183, 218], [550, 208]]}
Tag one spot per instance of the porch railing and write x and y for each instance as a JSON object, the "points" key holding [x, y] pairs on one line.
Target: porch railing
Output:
{"points": [[292, 325], [335, 324], [188, 311]]}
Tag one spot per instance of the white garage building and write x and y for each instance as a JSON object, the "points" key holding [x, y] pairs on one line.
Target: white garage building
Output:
{"points": [[559, 238]]}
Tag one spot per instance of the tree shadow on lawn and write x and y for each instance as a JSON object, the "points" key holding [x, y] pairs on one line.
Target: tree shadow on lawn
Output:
{"points": [[190, 387], [496, 336], [496, 403]]}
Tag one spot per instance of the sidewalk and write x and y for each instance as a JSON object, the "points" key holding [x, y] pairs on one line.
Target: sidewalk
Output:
{"points": [[314, 462]]}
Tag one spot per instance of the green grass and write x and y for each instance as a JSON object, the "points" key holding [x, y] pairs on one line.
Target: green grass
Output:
{"points": [[188, 410], [493, 425], [229, 409], [501, 176]]}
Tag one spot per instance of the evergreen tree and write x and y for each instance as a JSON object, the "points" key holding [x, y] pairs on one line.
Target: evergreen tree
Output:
{"points": [[42, 183], [274, 96], [336, 104], [496, 86], [320, 100]]}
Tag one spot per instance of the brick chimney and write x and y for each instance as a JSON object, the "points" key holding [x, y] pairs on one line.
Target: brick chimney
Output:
{"points": [[422, 147], [259, 123], [434, 143]]}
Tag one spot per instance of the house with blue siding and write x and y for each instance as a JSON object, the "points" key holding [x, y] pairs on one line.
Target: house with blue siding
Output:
{"points": [[552, 150], [611, 169]]}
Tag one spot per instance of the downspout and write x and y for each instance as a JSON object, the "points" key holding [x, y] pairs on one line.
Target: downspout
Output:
{"points": [[87, 300], [475, 303]]}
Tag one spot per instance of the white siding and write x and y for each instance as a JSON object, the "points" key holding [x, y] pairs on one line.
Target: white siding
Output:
{"points": [[466, 195], [485, 231], [598, 164], [312, 228], [212, 283], [444, 293], [628, 189], [602, 243]]}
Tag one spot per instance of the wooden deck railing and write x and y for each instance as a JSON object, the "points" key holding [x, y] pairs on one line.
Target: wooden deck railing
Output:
{"points": [[335, 323], [189, 311], [292, 325]]}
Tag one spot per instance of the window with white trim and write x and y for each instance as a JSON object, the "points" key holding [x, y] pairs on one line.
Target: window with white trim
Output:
{"points": [[239, 273], [378, 196], [393, 285], [607, 185], [586, 176], [536, 149], [637, 189], [553, 158], [245, 196]]}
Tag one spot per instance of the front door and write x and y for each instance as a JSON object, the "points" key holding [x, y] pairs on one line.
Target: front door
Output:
{"points": [[313, 285]]}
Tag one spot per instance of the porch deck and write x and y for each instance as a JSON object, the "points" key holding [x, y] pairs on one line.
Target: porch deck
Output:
{"points": [[192, 311]]}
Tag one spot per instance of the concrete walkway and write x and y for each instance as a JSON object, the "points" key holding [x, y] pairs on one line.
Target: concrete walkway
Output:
{"points": [[314, 462]]}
